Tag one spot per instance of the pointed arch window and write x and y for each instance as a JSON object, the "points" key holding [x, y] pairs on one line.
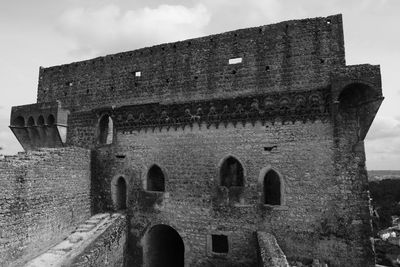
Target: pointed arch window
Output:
{"points": [[155, 179], [106, 130], [119, 193]]}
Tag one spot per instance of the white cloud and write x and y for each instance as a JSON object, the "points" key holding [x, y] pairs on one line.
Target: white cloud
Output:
{"points": [[109, 29], [232, 15], [383, 144], [384, 127]]}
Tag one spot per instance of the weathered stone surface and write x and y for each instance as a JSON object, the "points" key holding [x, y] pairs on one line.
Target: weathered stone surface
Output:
{"points": [[290, 106], [270, 253], [101, 244], [44, 195]]}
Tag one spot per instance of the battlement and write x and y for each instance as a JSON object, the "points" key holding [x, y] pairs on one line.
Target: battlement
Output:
{"points": [[39, 125], [287, 56]]}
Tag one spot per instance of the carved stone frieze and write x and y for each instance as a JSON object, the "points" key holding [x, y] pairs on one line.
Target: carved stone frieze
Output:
{"points": [[288, 106]]}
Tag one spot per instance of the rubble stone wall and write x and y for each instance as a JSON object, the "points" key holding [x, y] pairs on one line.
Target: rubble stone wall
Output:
{"points": [[44, 195], [196, 206], [287, 56]]}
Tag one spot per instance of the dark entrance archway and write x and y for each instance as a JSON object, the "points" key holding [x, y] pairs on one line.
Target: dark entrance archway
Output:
{"points": [[272, 188], [163, 247], [121, 194]]}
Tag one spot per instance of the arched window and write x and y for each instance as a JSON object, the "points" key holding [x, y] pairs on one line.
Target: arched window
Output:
{"points": [[118, 192], [105, 130], [51, 120], [358, 104], [272, 188], [121, 193], [231, 173], [40, 121], [155, 179], [355, 95], [31, 121], [19, 121]]}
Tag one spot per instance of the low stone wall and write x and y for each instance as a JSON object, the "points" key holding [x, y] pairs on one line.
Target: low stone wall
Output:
{"points": [[44, 195], [99, 241], [271, 254], [108, 249]]}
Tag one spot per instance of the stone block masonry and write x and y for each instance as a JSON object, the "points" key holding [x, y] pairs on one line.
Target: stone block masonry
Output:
{"points": [[44, 195], [203, 143], [270, 253], [287, 56], [192, 203], [98, 242]]}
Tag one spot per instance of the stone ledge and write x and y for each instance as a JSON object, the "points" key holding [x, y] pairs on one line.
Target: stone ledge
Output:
{"points": [[85, 234], [271, 254]]}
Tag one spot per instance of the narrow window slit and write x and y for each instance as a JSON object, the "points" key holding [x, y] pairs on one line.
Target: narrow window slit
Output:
{"points": [[236, 60]]}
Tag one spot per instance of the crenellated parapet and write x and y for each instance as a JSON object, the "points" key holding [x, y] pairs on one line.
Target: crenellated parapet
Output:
{"points": [[39, 125]]}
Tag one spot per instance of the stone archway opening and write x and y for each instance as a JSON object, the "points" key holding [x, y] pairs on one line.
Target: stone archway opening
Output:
{"points": [[19, 121], [51, 120], [231, 173], [155, 179], [272, 188], [163, 247], [358, 105], [105, 130], [121, 194]]}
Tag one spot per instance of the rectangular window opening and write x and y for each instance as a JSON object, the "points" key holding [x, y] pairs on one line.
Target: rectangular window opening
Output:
{"points": [[270, 148], [236, 60], [219, 244]]}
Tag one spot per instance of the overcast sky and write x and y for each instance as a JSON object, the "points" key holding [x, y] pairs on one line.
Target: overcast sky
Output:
{"points": [[48, 32]]}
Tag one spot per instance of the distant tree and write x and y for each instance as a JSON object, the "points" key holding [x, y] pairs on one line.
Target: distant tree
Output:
{"points": [[385, 199]]}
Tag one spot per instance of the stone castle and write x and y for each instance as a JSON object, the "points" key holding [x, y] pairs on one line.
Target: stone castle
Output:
{"points": [[237, 149]]}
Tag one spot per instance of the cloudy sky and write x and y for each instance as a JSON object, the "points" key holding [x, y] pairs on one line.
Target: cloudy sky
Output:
{"points": [[48, 32]]}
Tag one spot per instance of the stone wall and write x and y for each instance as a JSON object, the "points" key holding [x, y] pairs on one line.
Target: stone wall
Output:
{"points": [[44, 195], [108, 249], [194, 205], [184, 108], [287, 56], [271, 254]]}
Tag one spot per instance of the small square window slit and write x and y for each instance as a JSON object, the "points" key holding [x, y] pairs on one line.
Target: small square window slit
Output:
{"points": [[236, 60]]}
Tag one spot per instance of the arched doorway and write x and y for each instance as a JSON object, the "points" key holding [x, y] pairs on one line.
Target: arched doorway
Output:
{"points": [[272, 188], [119, 193], [163, 247]]}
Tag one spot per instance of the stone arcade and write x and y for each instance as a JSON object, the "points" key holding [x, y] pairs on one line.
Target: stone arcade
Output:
{"points": [[216, 150]]}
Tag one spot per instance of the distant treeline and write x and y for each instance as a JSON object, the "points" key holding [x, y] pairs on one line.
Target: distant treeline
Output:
{"points": [[385, 196]]}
